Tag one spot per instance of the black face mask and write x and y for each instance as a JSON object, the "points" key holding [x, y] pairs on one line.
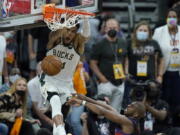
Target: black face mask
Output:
{"points": [[112, 33], [20, 93]]}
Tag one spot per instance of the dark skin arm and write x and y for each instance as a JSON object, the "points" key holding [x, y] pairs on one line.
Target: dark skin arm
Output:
{"points": [[126, 124], [90, 100]]}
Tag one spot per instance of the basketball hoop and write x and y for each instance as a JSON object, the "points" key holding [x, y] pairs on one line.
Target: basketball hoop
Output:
{"points": [[58, 18]]}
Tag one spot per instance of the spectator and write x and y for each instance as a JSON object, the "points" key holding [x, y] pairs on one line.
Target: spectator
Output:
{"points": [[108, 62], [145, 51], [157, 118], [3, 64], [40, 110], [13, 76], [168, 37], [13, 105], [126, 124]]}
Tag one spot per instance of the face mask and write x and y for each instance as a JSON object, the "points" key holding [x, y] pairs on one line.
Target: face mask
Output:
{"points": [[142, 36], [112, 33], [13, 78], [20, 92], [171, 21]]}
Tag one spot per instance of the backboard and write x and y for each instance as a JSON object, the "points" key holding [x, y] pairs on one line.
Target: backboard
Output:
{"points": [[20, 14]]}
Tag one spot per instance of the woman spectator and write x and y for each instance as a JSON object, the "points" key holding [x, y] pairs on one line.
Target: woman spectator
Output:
{"points": [[13, 105], [168, 37], [145, 57]]}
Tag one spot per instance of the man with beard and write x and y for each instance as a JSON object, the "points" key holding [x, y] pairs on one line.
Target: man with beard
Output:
{"points": [[67, 45]]}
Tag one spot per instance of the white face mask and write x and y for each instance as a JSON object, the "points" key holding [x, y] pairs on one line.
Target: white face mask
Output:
{"points": [[142, 36], [13, 78]]}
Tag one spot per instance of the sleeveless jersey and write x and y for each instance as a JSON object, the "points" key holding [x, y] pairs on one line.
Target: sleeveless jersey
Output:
{"points": [[69, 57]]}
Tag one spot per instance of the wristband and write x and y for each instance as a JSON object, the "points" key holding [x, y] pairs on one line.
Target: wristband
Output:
{"points": [[83, 103]]}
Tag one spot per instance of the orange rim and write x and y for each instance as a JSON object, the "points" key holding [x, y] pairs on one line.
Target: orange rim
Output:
{"points": [[50, 9]]}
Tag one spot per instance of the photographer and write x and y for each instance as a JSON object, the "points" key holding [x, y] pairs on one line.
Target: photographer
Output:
{"points": [[157, 110], [157, 118]]}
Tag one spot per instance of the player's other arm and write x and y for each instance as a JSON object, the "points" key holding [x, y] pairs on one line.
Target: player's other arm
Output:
{"points": [[85, 27]]}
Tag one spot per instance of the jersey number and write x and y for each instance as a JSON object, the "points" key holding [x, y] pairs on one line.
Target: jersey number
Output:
{"points": [[63, 65]]}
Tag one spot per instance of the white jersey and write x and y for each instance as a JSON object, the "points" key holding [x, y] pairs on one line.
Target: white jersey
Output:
{"points": [[62, 82], [69, 57]]}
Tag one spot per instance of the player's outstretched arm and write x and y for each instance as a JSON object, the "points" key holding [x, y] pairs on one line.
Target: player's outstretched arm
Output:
{"points": [[90, 100], [126, 124]]}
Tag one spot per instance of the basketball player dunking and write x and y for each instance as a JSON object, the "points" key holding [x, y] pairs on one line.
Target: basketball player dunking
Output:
{"points": [[67, 45]]}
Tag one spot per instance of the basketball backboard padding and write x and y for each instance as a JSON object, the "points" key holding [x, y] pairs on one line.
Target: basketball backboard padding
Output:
{"points": [[22, 19]]}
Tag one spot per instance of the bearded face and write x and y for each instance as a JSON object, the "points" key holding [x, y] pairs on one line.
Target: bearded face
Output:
{"points": [[69, 35]]}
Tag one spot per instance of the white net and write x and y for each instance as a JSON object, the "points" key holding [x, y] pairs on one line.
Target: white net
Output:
{"points": [[60, 21]]}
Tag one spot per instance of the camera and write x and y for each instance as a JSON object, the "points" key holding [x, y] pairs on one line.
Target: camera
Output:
{"points": [[149, 90]]}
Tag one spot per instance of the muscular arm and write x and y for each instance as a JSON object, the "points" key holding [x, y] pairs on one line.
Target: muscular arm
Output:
{"points": [[95, 69], [90, 100]]}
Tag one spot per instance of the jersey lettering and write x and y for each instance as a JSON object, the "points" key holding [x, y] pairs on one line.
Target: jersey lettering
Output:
{"points": [[62, 54]]}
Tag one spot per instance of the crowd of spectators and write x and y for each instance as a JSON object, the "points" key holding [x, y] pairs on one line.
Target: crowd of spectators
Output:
{"points": [[124, 86]]}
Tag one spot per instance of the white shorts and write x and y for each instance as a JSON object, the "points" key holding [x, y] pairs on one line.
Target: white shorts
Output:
{"points": [[64, 89]]}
